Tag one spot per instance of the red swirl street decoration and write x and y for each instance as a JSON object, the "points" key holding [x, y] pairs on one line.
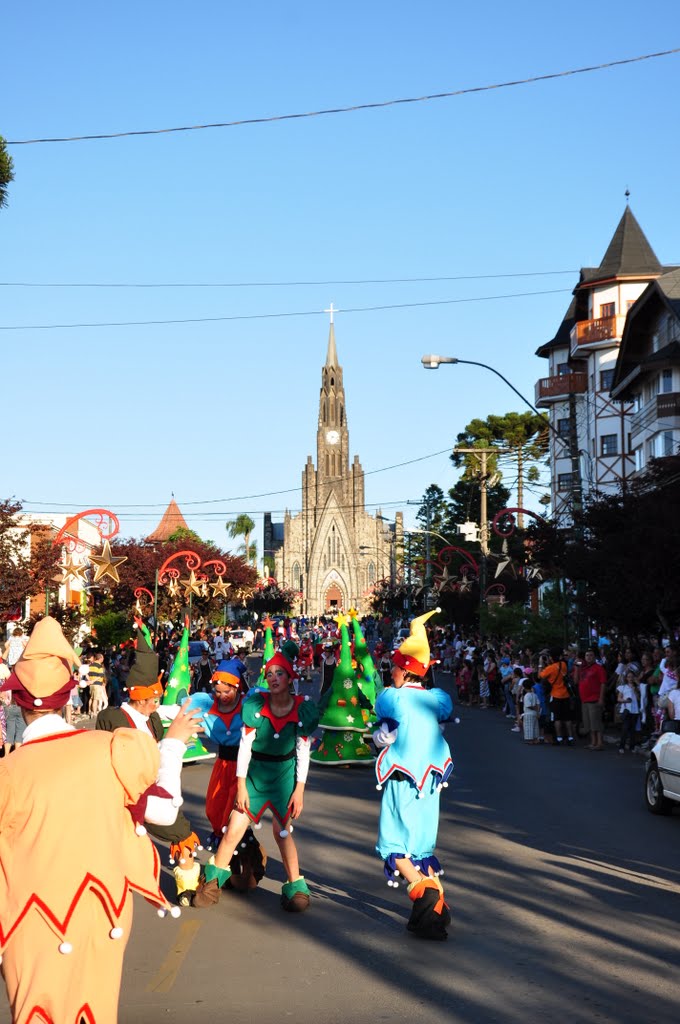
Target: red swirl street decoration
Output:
{"points": [[507, 517], [105, 521], [168, 571]]}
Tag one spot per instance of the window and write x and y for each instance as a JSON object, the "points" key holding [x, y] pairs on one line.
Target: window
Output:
{"points": [[667, 443], [563, 427], [607, 309], [563, 368], [370, 574], [296, 576], [666, 382], [609, 444], [639, 459], [565, 481], [606, 380], [629, 304]]}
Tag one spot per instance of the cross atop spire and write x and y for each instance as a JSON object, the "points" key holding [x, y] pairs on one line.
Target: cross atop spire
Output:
{"points": [[331, 355], [331, 311]]}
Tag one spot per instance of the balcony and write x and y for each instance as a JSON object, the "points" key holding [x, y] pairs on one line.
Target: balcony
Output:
{"points": [[556, 389], [662, 407], [592, 333]]}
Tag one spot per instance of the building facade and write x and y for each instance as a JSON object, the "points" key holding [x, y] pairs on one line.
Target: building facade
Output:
{"points": [[591, 446], [647, 371], [333, 552]]}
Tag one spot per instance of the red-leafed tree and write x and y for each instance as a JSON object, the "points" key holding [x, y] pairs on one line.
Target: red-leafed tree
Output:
{"points": [[28, 560]]}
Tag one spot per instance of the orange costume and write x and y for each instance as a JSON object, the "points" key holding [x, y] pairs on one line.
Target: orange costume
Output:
{"points": [[67, 876]]}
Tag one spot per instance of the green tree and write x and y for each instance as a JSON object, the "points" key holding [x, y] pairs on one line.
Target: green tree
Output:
{"points": [[6, 172], [242, 526], [520, 437], [111, 629]]}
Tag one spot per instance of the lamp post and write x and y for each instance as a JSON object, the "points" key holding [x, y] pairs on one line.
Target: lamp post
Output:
{"points": [[433, 362]]}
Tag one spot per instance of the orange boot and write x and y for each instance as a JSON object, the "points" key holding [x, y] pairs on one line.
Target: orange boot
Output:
{"points": [[430, 913]]}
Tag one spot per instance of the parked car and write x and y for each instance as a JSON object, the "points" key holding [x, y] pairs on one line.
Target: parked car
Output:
{"points": [[196, 648], [662, 778], [242, 640]]}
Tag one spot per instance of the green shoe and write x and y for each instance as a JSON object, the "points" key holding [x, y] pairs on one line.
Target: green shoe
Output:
{"points": [[295, 896]]}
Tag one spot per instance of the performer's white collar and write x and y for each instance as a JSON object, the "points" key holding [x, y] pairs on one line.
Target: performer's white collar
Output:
{"points": [[46, 725], [137, 717]]}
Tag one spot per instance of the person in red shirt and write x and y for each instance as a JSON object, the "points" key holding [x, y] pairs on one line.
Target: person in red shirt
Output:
{"points": [[591, 680]]}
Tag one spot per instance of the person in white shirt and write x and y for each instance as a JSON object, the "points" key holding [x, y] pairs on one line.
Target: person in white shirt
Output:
{"points": [[627, 695]]}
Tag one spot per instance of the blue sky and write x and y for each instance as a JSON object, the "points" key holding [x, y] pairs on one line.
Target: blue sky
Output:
{"points": [[513, 181]]}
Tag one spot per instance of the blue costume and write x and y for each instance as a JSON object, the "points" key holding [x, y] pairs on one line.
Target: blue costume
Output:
{"points": [[411, 772]]}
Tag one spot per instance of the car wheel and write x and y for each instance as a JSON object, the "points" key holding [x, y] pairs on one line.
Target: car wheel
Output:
{"points": [[657, 803]]}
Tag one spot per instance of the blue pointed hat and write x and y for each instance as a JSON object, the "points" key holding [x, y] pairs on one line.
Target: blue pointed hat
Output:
{"points": [[229, 671]]}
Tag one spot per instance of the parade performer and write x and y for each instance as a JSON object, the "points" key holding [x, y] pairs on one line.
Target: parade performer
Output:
{"points": [[222, 723], [414, 764], [140, 711], [271, 770], [67, 876]]}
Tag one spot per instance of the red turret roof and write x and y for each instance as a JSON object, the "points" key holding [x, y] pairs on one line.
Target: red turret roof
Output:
{"points": [[172, 520]]}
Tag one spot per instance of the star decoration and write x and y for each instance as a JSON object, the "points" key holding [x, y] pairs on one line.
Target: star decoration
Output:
{"points": [[138, 607], [173, 588], [107, 564], [465, 585], [267, 622], [341, 620], [191, 585], [350, 718], [504, 562], [220, 588], [445, 581], [533, 573], [73, 569], [204, 589], [353, 613]]}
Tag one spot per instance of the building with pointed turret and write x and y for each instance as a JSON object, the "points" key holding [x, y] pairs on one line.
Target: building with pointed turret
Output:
{"points": [[333, 552], [172, 520], [596, 451]]}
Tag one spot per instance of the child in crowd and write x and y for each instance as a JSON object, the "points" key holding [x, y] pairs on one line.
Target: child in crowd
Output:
{"points": [[531, 707], [628, 697]]}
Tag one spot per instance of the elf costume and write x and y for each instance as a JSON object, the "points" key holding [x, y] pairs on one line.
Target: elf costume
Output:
{"points": [[413, 766], [66, 881]]}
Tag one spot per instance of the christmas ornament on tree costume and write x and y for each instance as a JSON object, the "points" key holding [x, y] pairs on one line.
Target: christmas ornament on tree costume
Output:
{"points": [[367, 675], [342, 720], [176, 692]]}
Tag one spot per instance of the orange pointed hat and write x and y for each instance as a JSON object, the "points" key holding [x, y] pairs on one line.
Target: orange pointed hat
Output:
{"points": [[42, 675], [414, 653]]}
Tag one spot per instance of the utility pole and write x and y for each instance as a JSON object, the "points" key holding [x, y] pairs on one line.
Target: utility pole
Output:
{"points": [[481, 454]]}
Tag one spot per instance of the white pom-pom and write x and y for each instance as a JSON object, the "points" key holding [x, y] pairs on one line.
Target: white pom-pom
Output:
{"points": [[140, 830], [162, 912], [457, 721], [258, 824], [439, 788], [396, 874], [395, 884], [389, 882], [171, 861], [243, 846], [284, 833], [437, 611], [175, 912], [258, 715], [441, 872], [379, 788], [199, 847], [445, 785], [307, 697], [116, 933], [65, 948], [277, 735], [38, 704], [177, 801], [224, 829]]}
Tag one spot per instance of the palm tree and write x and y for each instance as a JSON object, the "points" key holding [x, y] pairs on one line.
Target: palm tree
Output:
{"points": [[242, 526]]}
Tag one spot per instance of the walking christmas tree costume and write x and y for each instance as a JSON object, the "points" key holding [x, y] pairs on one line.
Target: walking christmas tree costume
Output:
{"points": [[177, 691], [271, 769], [222, 722], [367, 676], [412, 768], [267, 653], [342, 720]]}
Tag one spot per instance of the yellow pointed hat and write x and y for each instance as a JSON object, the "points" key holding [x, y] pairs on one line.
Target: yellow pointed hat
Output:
{"points": [[414, 653]]}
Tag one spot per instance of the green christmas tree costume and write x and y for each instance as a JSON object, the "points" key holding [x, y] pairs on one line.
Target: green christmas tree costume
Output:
{"points": [[176, 692], [342, 720]]}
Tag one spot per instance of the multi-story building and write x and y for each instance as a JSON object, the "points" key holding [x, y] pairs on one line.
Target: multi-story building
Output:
{"points": [[333, 550], [647, 372], [591, 446]]}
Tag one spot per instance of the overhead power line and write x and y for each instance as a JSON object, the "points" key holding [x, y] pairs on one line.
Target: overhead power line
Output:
{"points": [[276, 284], [271, 316], [355, 106]]}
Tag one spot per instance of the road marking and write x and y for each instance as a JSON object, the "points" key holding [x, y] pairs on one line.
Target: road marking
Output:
{"points": [[169, 969]]}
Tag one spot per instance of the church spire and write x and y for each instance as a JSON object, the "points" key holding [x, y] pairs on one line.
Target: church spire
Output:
{"points": [[332, 354]]}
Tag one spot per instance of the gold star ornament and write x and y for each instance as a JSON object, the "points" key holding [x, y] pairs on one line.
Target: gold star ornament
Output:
{"points": [[107, 564], [191, 585], [220, 588], [72, 570], [173, 588]]}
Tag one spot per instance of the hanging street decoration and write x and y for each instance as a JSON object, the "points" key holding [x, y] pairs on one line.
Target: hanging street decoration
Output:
{"points": [[192, 585], [107, 564], [72, 570], [220, 588]]}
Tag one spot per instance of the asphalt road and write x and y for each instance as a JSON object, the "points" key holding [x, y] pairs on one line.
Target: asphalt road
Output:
{"points": [[563, 890]]}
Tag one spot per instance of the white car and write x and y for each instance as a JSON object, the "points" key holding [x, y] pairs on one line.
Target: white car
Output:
{"points": [[662, 779], [242, 640]]}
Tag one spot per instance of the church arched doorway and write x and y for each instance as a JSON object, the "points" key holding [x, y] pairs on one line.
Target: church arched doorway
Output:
{"points": [[333, 600]]}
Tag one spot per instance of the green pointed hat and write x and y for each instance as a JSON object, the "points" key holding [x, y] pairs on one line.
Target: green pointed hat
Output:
{"points": [[344, 699], [367, 677], [142, 681], [179, 682]]}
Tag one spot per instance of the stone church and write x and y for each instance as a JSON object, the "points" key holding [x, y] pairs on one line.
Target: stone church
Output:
{"points": [[333, 552]]}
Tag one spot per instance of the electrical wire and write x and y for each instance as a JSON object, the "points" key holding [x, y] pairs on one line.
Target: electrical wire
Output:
{"points": [[272, 316], [354, 107], [279, 284]]}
